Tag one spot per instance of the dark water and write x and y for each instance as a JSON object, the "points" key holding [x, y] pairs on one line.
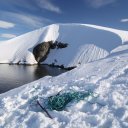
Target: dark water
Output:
{"points": [[12, 76]]}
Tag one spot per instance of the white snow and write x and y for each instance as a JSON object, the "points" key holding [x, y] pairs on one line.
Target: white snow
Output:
{"points": [[92, 39], [106, 77]]}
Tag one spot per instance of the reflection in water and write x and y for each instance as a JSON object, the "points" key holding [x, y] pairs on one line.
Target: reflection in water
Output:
{"points": [[12, 76]]}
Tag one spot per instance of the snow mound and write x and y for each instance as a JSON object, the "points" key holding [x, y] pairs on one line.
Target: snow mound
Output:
{"points": [[106, 77], [20, 48], [100, 40]]}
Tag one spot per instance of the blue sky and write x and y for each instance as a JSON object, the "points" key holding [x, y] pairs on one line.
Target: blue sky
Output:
{"points": [[21, 16]]}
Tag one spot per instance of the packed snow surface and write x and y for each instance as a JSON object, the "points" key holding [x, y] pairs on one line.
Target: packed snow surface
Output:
{"points": [[106, 77], [86, 43]]}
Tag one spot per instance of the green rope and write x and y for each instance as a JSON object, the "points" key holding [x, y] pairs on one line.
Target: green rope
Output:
{"points": [[59, 102]]}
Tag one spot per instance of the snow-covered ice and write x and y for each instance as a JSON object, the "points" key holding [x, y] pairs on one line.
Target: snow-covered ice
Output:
{"points": [[96, 42]]}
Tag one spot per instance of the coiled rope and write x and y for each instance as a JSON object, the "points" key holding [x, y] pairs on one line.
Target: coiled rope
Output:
{"points": [[59, 102]]}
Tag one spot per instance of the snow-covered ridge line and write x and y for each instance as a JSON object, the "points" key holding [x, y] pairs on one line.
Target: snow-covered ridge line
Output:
{"points": [[121, 33]]}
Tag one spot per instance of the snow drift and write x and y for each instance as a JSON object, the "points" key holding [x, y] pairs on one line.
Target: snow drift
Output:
{"points": [[86, 43], [106, 77]]}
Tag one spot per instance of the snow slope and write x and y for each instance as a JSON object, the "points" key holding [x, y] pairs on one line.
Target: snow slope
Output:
{"points": [[86, 43], [106, 77]]}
